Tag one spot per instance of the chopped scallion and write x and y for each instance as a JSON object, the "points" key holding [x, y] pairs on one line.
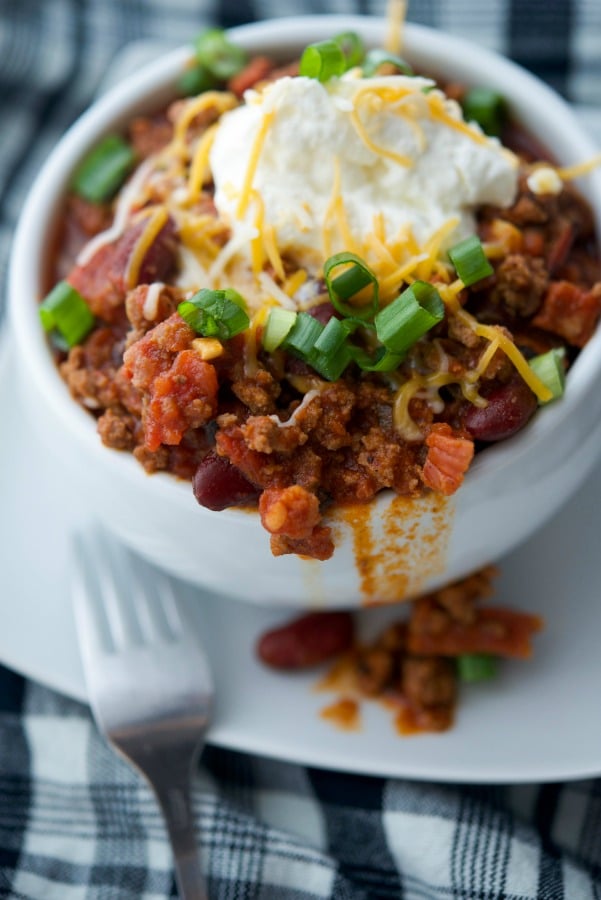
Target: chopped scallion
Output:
{"points": [[352, 47], [470, 261], [346, 285], [383, 360], [219, 314], [323, 60], [400, 324], [473, 667], [277, 328], [218, 55], [303, 335], [104, 169], [332, 364], [195, 80], [377, 58], [549, 367], [486, 107], [66, 311], [332, 337]]}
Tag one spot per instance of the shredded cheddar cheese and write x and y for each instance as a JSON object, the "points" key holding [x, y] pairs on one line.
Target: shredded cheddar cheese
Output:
{"points": [[155, 222], [395, 20], [221, 101], [252, 164], [439, 114], [199, 170], [568, 173], [388, 153]]}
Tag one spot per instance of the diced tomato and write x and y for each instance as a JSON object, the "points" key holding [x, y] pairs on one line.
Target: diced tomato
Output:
{"points": [[183, 397], [570, 312], [101, 280]]}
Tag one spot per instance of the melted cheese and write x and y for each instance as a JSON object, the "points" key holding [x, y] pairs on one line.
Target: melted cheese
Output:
{"points": [[150, 310], [307, 399]]}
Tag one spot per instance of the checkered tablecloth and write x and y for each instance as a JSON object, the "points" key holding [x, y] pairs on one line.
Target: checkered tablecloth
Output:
{"points": [[77, 824], [75, 821]]}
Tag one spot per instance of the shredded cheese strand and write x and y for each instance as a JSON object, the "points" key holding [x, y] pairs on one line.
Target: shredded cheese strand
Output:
{"points": [[399, 158], [439, 114], [221, 100], [253, 163], [395, 21], [155, 223], [199, 170], [584, 168]]}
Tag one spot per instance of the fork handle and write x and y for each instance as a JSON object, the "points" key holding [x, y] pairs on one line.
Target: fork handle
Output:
{"points": [[176, 806]]}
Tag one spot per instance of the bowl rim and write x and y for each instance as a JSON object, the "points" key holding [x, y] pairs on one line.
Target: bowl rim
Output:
{"points": [[423, 45]]}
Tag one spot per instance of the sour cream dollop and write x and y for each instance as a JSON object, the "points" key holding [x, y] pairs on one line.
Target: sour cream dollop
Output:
{"points": [[393, 147]]}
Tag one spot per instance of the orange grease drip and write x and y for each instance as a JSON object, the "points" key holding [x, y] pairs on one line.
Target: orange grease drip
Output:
{"points": [[344, 713], [400, 546]]}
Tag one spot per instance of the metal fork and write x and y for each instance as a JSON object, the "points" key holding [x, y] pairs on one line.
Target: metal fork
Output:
{"points": [[148, 681]]}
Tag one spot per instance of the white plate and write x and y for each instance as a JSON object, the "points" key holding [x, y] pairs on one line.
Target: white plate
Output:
{"points": [[538, 721]]}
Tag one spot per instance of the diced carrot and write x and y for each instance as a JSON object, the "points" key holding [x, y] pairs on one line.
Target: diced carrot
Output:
{"points": [[448, 459]]}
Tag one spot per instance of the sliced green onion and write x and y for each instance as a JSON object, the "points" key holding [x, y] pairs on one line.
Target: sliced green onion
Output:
{"points": [[377, 58], [349, 283], [383, 360], [330, 365], [323, 61], [486, 107], [277, 328], [217, 314], [303, 335], [104, 169], [65, 310], [352, 47], [473, 667], [218, 55], [195, 80], [400, 324], [332, 337], [550, 369], [470, 261]]}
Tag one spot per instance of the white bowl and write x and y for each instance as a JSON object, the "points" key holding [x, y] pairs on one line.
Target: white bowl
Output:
{"points": [[392, 548]]}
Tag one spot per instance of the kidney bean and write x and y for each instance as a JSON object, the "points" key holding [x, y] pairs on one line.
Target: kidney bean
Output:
{"points": [[217, 484], [307, 641], [323, 312], [160, 256], [510, 406]]}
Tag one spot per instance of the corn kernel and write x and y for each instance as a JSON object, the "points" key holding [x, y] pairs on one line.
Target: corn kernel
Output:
{"points": [[208, 348]]}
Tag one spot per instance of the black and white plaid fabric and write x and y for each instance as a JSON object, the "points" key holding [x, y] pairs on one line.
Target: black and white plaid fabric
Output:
{"points": [[75, 822]]}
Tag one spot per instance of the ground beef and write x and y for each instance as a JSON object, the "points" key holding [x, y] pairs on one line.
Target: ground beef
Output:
{"points": [[429, 681], [148, 135], [520, 284], [117, 429]]}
